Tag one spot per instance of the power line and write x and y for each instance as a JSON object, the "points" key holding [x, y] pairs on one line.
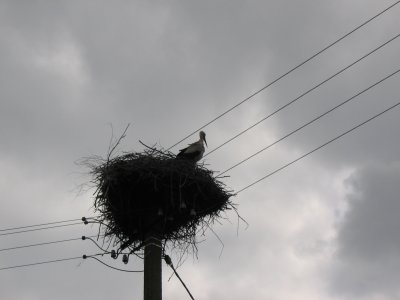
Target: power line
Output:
{"points": [[287, 73], [39, 229], [309, 122], [169, 263], [102, 262], [67, 259], [40, 263], [303, 94], [39, 244], [51, 261], [319, 147], [44, 243], [43, 224]]}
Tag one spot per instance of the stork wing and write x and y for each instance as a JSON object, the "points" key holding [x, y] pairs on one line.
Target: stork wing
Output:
{"points": [[190, 152], [190, 155]]}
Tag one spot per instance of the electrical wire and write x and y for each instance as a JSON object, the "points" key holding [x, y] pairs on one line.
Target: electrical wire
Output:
{"points": [[287, 73], [319, 147], [94, 242], [43, 224], [50, 261], [40, 263], [309, 122], [44, 243], [169, 263], [303, 94], [122, 270], [64, 259], [39, 244], [38, 229]]}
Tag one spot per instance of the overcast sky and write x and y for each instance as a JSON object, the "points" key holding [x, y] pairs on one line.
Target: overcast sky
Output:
{"points": [[325, 228]]}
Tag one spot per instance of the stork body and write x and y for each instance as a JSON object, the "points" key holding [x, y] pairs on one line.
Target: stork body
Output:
{"points": [[195, 151]]}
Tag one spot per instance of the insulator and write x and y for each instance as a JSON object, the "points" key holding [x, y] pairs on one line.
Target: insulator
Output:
{"points": [[192, 212], [125, 259], [113, 254], [183, 205], [160, 212], [168, 260], [170, 218]]}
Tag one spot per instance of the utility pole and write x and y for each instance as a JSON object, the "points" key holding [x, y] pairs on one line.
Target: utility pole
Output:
{"points": [[152, 269]]}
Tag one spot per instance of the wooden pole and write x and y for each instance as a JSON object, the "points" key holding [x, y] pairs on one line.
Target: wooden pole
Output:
{"points": [[152, 270]]}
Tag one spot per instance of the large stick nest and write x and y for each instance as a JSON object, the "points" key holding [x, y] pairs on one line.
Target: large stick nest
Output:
{"points": [[151, 193]]}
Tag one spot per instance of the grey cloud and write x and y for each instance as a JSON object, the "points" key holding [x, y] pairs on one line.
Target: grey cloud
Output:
{"points": [[368, 239], [68, 69]]}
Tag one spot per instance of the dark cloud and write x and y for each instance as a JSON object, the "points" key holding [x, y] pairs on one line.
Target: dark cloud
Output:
{"points": [[368, 239], [68, 70]]}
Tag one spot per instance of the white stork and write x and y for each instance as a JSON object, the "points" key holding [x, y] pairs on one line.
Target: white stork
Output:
{"points": [[194, 151]]}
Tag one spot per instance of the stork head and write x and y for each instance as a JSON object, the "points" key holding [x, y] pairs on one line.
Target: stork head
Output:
{"points": [[203, 137]]}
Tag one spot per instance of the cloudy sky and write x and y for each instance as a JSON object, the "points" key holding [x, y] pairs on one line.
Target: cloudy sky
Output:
{"points": [[325, 228]]}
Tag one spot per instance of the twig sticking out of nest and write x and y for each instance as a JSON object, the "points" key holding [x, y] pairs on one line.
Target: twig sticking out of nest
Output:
{"points": [[152, 193]]}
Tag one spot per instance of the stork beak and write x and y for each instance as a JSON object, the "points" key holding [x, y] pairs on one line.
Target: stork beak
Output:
{"points": [[205, 141]]}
